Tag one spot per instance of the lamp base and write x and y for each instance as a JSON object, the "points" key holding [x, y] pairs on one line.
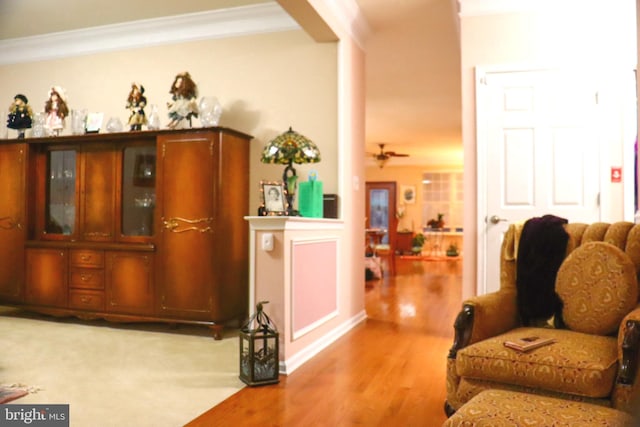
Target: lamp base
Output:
{"points": [[290, 180]]}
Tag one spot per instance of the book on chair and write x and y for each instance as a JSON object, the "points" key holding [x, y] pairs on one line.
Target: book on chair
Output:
{"points": [[528, 343]]}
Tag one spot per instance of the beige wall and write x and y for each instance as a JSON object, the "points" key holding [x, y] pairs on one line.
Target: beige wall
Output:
{"points": [[265, 84], [597, 39]]}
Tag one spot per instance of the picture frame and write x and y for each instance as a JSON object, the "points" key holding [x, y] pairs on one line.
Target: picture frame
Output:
{"points": [[408, 194], [94, 122], [273, 198]]}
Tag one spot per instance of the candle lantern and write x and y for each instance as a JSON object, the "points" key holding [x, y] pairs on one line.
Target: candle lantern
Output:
{"points": [[259, 354]]}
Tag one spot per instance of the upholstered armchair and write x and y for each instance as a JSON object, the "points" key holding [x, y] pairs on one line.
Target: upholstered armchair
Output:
{"points": [[595, 356]]}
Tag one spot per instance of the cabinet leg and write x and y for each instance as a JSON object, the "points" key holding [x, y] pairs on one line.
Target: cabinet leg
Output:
{"points": [[216, 330]]}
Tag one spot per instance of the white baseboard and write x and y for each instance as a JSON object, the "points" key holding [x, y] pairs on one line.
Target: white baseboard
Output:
{"points": [[298, 359]]}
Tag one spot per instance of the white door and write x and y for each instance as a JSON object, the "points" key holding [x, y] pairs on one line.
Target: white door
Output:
{"points": [[538, 153]]}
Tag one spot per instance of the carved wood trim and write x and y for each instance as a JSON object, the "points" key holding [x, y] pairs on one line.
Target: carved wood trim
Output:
{"points": [[8, 223], [463, 327], [630, 345]]}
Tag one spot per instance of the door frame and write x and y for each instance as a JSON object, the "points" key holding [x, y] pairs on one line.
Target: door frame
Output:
{"points": [[628, 136], [391, 187]]}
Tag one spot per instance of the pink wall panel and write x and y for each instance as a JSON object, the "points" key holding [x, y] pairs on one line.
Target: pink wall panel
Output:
{"points": [[313, 282]]}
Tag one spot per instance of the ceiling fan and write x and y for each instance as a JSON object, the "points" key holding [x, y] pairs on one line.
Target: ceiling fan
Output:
{"points": [[382, 157]]}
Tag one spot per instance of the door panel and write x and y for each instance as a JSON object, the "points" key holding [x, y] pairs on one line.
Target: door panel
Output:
{"points": [[539, 146], [12, 227], [46, 281], [187, 214], [129, 283], [98, 189], [519, 183]]}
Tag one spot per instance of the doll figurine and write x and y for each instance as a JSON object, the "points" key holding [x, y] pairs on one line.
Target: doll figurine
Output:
{"points": [[56, 110], [135, 104], [183, 106], [20, 115]]}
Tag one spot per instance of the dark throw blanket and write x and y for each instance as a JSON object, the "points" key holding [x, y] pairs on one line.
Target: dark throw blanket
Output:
{"points": [[541, 250]]}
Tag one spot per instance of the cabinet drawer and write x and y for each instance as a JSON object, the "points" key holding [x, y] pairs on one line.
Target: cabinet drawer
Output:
{"points": [[87, 278], [86, 300], [87, 258]]}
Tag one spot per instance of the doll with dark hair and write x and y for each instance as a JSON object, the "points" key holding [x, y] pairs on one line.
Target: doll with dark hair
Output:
{"points": [[20, 115], [136, 103], [183, 104], [56, 109]]}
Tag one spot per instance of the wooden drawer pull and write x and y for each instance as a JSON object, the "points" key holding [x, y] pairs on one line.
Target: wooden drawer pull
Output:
{"points": [[85, 277], [85, 300], [85, 257]]}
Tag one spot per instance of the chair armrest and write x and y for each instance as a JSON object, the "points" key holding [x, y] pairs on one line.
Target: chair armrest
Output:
{"points": [[483, 317], [629, 347]]}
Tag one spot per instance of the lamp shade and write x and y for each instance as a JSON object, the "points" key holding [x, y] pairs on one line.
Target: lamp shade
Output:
{"points": [[291, 147]]}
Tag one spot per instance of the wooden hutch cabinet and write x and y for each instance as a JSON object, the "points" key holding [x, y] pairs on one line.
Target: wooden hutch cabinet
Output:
{"points": [[137, 226]]}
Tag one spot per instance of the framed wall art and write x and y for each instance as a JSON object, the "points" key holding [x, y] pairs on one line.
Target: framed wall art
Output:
{"points": [[408, 194], [273, 198]]}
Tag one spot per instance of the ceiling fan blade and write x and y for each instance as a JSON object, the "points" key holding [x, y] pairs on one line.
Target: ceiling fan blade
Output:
{"points": [[383, 156], [394, 154]]}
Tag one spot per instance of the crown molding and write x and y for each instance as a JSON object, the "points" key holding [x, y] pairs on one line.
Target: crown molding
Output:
{"points": [[213, 24]]}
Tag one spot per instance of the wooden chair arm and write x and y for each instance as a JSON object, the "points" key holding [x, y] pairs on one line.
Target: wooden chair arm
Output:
{"points": [[629, 351], [630, 346], [463, 327]]}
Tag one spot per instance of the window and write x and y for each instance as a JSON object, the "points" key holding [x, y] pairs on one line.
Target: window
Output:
{"points": [[442, 194]]}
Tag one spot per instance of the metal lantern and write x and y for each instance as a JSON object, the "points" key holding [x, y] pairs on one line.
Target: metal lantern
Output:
{"points": [[259, 354]]}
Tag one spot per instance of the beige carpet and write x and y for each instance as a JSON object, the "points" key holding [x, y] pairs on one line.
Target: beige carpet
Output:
{"points": [[118, 375]]}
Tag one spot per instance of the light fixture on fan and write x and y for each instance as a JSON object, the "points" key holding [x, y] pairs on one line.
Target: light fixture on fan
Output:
{"points": [[382, 157]]}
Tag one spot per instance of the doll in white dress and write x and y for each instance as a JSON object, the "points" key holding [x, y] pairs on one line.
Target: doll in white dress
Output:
{"points": [[56, 110], [183, 106]]}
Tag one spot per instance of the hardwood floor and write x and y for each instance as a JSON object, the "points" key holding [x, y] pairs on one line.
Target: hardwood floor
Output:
{"points": [[388, 371]]}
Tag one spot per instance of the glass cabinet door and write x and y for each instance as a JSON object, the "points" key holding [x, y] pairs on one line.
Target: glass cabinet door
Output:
{"points": [[61, 193], [138, 190]]}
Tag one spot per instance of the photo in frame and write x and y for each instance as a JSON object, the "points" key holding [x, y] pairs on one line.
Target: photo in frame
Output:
{"points": [[273, 198], [94, 122], [408, 194]]}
